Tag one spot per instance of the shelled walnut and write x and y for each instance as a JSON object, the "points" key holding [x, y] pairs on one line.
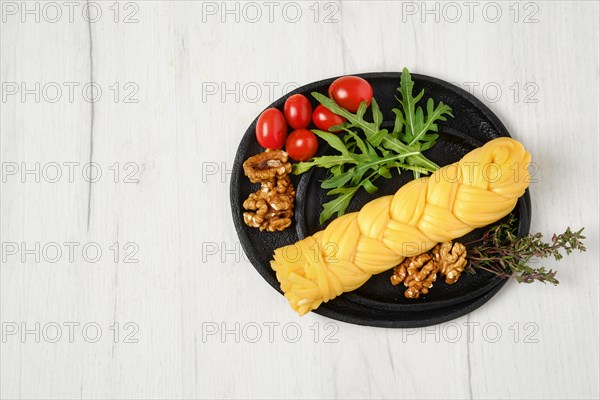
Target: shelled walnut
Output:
{"points": [[451, 260], [266, 166], [272, 206], [420, 272]]}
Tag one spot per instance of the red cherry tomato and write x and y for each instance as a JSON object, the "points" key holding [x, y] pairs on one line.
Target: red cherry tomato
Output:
{"points": [[350, 91], [271, 129], [297, 110], [325, 119], [301, 144]]}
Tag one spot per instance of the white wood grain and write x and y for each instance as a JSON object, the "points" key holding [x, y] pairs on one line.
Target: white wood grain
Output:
{"points": [[182, 136]]}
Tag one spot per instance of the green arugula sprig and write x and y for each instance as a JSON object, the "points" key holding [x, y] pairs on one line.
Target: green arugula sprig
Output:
{"points": [[362, 160], [352, 170], [501, 252], [413, 119]]}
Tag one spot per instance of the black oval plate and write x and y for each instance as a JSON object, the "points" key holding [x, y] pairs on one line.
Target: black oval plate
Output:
{"points": [[378, 303]]}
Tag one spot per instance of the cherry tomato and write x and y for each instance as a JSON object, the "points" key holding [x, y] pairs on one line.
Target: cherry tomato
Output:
{"points": [[271, 129], [297, 110], [350, 91], [325, 119], [301, 144]]}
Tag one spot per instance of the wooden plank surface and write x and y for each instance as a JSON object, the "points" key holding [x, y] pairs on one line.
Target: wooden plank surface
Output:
{"points": [[171, 307]]}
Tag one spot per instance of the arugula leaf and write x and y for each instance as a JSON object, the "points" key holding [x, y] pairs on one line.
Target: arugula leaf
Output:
{"points": [[417, 124], [345, 195], [337, 181], [377, 114], [323, 162], [365, 150], [398, 123], [354, 120], [422, 126], [369, 187], [408, 102], [334, 141], [339, 204]]}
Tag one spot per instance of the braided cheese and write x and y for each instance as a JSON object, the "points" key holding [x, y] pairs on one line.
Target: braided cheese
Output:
{"points": [[478, 190]]}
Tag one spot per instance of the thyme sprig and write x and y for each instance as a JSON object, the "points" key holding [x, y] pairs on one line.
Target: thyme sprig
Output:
{"points": [[502, 252]]}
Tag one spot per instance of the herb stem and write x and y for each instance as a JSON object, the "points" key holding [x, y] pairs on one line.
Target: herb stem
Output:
{"points": [[385, 160], [398, 146]]}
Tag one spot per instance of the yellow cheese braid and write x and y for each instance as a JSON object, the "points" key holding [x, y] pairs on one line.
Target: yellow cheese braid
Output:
{"points": [[478, 190]]}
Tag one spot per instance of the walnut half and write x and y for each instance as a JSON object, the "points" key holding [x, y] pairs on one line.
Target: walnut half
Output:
{"points": [[266, 166], [451, 259], [419, 272]]}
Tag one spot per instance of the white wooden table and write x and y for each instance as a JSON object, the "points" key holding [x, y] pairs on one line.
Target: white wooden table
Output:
{"points": [[122, 275]]}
